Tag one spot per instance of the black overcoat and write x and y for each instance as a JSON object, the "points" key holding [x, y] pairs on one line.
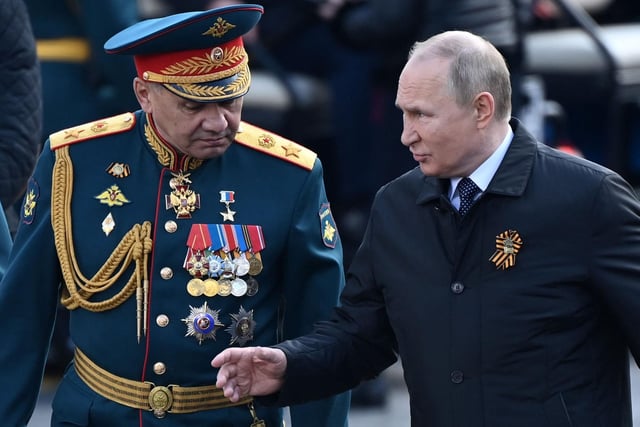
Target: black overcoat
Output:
{"points": [[522, 313]]}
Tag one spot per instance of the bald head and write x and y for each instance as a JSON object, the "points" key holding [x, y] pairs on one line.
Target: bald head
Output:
{"points": [[475, 66]]}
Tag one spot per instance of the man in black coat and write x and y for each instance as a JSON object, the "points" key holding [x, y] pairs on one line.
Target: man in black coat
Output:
{"points": [[512, 299]]}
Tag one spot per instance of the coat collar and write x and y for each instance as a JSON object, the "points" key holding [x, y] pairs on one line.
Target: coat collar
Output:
{"points": [[511, 177]]}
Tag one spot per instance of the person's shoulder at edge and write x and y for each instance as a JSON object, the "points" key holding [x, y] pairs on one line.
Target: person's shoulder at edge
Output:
{"points": [[275, 145]]}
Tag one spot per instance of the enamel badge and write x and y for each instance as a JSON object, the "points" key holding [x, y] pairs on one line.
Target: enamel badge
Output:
{"points": [[112, 196], [242, 327], [183, 200], [508, 243], [202, 323]]}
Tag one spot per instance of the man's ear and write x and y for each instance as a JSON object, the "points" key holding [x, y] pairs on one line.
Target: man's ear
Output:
{"points": [[484, 106], [143, 94]]}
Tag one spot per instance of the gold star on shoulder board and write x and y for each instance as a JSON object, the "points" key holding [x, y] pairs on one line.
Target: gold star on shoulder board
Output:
{"points": [[291, 150], [72, 133]]}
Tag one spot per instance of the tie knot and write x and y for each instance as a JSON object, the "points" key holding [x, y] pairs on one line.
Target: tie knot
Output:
{"points": [[467, 189]]}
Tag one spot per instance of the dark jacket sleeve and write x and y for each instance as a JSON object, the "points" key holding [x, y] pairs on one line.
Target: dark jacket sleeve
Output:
{"points": [[20, 100], [357, 343]]}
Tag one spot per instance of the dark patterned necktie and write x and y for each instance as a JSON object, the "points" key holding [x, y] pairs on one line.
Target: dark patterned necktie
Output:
{"points": [[467, 189]]}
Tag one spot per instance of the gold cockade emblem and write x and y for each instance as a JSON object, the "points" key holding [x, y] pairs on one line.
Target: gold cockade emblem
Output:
{"points": [[219, 29]]}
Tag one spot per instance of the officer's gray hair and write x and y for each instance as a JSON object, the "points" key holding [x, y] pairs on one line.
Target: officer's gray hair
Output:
{"points": [[476, 66]]}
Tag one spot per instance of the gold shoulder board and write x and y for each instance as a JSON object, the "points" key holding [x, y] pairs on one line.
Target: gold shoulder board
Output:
{"points": [[275, 145], [92, 130]]}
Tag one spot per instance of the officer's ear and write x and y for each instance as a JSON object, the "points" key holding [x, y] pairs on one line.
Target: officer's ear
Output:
{"points": [[143, 90]]}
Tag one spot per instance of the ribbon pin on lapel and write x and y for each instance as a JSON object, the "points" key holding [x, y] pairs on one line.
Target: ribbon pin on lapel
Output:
{"points": [[508, 243]]}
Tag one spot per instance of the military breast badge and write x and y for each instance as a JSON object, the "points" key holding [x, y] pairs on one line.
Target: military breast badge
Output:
{"points": [[112, 196], [118, 170], [182, 199], [224, 259], [242, 327], [508, 243], [202, 323]]}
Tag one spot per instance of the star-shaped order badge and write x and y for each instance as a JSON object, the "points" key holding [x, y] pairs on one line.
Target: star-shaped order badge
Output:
{"points": [[508, 243], [202, 323], [242, 327]]}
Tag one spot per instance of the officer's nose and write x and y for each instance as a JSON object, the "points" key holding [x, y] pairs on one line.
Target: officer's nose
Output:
{"points": [[214, 118]]}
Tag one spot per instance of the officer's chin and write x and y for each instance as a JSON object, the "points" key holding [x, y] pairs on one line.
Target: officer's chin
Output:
{"points": [[207, 149]]}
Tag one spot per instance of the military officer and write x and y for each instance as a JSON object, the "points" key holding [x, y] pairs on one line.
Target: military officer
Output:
{"points": [[176, 231]]}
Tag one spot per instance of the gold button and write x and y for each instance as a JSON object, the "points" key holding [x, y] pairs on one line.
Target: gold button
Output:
{"points": [[166, 273], [162, 320], [171, 226], [159, 368]]}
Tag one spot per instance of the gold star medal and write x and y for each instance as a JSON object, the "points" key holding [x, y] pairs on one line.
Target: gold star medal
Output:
{"points": [[227, 197], [508, 243]]}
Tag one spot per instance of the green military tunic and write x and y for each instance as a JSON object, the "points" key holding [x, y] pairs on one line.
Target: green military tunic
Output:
{"points": [[127, 232]]}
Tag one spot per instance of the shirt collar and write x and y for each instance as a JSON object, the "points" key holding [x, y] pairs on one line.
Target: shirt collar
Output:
{"points": [[483, 175]]}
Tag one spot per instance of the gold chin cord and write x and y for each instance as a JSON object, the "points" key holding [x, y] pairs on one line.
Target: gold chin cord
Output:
{"points": [[134, 247]]}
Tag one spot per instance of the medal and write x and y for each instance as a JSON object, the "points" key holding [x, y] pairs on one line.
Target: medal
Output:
{"points": [[215, 264], [241, 265], [182, 199], [202, 323], [224, 287], [227, 197], [255, 244], [195, 287], [242, 327], [210, 287], [197, 265], [255, 265], [238, 287], [252, 286]]}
